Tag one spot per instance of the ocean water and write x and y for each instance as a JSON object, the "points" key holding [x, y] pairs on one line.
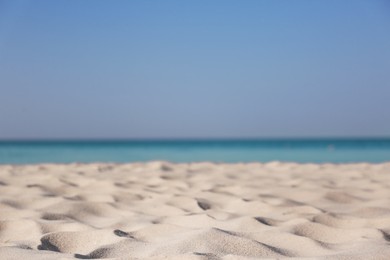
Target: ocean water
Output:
{"points": [[291, 150]]}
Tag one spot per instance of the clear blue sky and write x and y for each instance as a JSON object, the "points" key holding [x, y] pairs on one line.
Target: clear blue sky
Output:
{"points": [[176, 69]]}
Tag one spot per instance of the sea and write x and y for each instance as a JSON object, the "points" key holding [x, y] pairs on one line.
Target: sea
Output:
{"points": [[230, 151]]}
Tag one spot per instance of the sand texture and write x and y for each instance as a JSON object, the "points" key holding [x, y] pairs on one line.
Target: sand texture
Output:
{"points": [[160, 210]]}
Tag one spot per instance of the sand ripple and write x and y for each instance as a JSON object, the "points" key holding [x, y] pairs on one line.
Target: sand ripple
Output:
{"points": [[160, 210]]}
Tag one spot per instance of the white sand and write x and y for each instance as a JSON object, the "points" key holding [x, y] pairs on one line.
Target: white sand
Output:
{"points": [[160, 210]]}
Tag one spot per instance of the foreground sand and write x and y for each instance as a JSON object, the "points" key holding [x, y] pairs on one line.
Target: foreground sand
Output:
{"points": [[160, 210]]}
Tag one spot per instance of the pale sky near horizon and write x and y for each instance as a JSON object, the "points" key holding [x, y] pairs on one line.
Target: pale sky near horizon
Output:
{"points": [[177, 69]]}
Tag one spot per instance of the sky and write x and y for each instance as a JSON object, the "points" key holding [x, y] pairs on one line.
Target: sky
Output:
{"points": [[194, 69]]}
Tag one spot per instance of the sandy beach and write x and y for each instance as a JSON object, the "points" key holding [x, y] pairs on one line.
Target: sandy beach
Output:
{"points": [[161, 210]]}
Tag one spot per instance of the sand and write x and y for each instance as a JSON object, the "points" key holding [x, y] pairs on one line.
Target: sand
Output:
{"points": [[161, 210]]}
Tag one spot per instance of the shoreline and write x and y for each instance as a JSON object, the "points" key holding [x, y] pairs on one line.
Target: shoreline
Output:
{"points": [[191, 163], [201, 210]]}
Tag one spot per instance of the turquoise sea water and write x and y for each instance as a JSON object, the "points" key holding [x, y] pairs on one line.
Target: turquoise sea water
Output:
{"points": [[296, 150]]}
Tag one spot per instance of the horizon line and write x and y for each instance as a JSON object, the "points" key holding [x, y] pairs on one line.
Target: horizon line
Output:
{"points": [[184, 139]]}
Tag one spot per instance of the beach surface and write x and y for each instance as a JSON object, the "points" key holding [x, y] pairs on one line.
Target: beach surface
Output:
{"points": [[161, 210]]}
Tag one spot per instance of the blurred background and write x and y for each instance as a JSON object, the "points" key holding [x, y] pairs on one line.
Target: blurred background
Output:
{"points": [[242, 76]]}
